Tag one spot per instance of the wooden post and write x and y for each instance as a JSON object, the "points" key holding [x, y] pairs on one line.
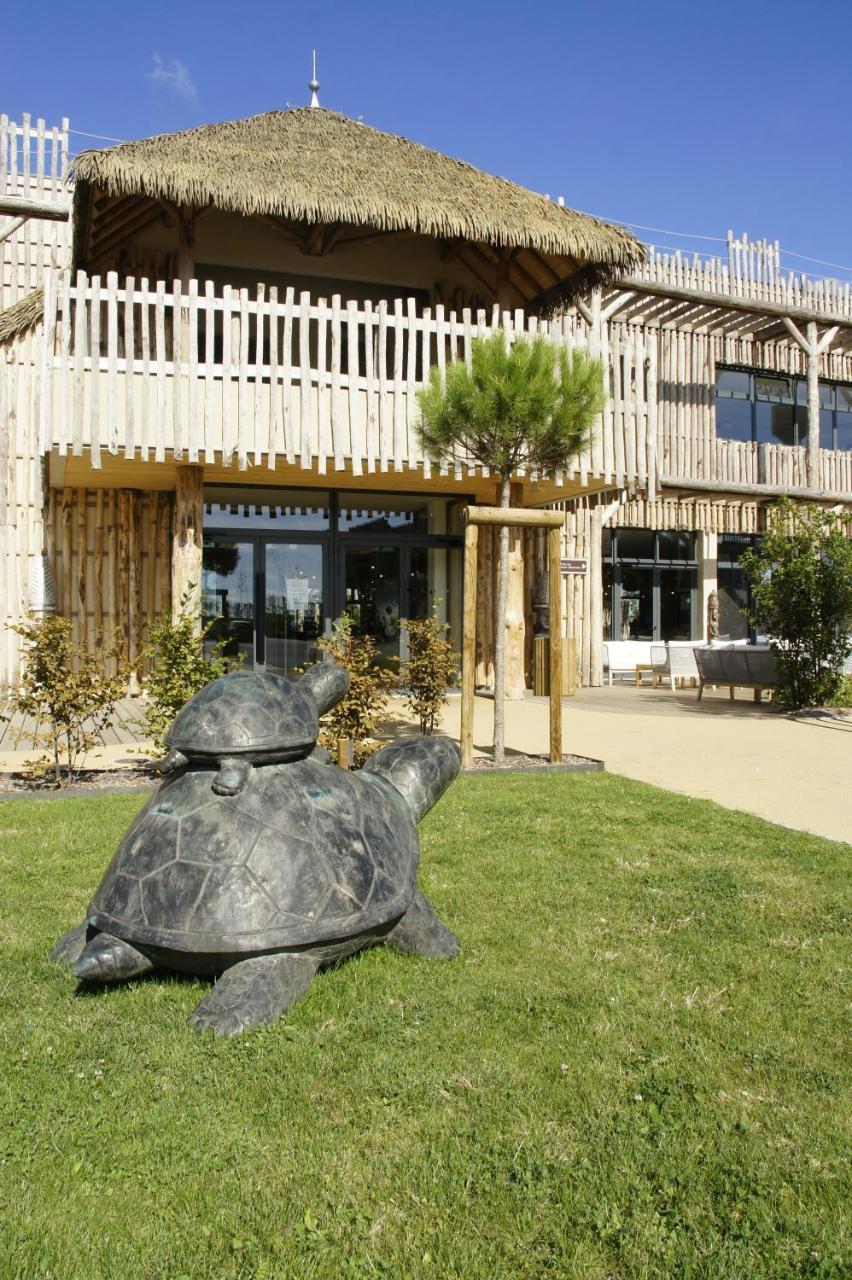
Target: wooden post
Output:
{"points": [[187, 540], [471, 537], [516, 684], [553, 547], [813, 353], [595, 598]]}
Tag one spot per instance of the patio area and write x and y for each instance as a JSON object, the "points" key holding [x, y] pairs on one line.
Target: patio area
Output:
{"points": [[790, 770]]}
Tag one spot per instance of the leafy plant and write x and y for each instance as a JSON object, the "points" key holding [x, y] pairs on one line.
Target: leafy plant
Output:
{"points": [[526, 405], [801, 581], [65, 688], [178, 665], [431, 666], [358, 715]]}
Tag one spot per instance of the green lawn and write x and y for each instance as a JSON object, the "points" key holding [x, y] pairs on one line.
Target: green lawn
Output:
{"points": [[634, 1069]]}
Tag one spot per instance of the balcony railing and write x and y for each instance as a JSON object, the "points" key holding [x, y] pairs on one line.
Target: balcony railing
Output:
{"points": [[143, 370]]}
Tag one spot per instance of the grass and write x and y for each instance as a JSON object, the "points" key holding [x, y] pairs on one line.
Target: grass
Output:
{"points": [[634, 1069]]}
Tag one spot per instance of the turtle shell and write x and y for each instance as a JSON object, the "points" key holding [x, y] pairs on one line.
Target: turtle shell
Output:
{"points": [[246, 714], [305, 854]]}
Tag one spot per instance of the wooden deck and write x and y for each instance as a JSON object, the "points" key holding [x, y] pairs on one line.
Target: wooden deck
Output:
{"points": [[16, 734]]}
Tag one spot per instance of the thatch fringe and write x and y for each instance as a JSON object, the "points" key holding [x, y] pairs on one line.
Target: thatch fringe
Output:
{"points": [[22, 316], [319, 166]]}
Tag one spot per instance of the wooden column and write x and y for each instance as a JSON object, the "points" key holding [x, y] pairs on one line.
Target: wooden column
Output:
{"points": [[471, 535], [186, 536], [516, 683], [813, 405], [554, 537], [595, 598]]}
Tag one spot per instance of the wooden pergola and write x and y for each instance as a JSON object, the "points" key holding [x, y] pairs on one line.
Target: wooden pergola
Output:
{"points": [[516, 518]]}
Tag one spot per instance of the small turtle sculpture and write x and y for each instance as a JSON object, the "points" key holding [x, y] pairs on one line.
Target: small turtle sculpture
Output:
{"points": [[258, 860]]}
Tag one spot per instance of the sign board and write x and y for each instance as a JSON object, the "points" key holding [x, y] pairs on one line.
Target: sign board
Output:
{"points": [[573, 566]]}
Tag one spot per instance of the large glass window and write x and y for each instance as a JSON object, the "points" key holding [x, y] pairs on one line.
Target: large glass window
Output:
{"points": [[280, 564], [766, 408], [733, 586], [649, 584]]}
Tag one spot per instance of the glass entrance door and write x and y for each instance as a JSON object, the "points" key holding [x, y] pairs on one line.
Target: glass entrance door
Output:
{"points": [[228, 596], [371, 595], [292, 606]]}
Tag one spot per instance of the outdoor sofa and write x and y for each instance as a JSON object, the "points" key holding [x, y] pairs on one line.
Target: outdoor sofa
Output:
{"points": [[623, 656], [737, 666]]}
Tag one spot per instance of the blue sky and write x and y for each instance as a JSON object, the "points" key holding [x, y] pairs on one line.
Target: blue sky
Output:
{"points": [[675, 115]]}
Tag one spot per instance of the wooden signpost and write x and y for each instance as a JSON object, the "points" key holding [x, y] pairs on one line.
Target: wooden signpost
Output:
{"points": [[518, 518]]}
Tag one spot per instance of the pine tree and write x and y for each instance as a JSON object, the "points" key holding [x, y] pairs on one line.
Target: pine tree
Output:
{"points": [[527, 405]]}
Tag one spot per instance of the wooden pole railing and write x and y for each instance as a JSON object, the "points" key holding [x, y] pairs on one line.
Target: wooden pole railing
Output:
{"points": [[143, 368]]}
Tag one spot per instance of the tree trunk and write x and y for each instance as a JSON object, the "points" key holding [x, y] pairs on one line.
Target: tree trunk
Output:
{"points": [[500, 631]]}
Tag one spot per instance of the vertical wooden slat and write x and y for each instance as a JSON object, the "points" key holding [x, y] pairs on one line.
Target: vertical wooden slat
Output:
{"points": [[160, 352], [192, 432], [384, 411], [95, 405], [112, 363], [323, 415], [274, 413], [369, 374], [337, 415], [287, 415], [145, 340], [228, 445], [178, 334], [243, 425], [130, 440], [410, 377], [305, 380], [209, 367], [261, 438], [356, 425], [398, 415]]}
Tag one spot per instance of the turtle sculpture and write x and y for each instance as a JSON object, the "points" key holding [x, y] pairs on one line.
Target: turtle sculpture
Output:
{"points": [[258, 860]]}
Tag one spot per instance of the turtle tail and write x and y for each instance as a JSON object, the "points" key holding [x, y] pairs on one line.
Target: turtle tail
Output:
{"points": [[420, 768]]}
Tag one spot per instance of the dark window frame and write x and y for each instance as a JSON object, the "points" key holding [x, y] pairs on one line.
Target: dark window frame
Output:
{"points": [[797, 400]]}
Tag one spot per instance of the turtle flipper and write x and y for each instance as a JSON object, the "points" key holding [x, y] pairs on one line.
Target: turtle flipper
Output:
{"points": [[106, 958], [421, 768], [67, 950], [253, 992], [421, 933]]}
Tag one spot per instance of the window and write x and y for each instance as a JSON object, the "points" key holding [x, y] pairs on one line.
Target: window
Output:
{"points": [[649, 581], [767, 408], [733, 586]]}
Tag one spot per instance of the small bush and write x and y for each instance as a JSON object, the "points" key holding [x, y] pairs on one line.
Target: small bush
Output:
{"points": [[431, 667], [65, 689], [179, 667], [801, 580], [359, 714]]}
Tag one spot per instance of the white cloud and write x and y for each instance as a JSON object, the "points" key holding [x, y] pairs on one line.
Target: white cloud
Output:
{"points": [[173, 77]]}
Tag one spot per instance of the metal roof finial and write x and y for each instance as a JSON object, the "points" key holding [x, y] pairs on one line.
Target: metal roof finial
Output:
{"points": [[313, 83]]}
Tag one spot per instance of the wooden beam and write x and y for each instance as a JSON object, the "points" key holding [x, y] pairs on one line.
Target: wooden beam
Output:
{"points": [[145, 219], [17, 207], [723, 487], [755, 306], [11, 228], [555, 578], [515, 517]]}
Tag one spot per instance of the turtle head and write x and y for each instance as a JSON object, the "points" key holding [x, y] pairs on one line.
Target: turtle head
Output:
{"points": [[327, 683]]}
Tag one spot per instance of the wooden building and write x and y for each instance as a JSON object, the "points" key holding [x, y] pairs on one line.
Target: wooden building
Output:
{"points": [[210, 346]]}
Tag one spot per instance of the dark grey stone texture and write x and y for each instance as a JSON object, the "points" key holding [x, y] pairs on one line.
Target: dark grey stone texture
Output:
{"points": [[261, 867]]}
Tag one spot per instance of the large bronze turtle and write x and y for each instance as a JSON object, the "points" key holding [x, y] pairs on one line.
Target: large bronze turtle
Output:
{"points": [[258, 860]]}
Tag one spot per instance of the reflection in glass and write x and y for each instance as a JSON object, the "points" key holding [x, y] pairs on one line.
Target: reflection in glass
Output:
{"points": [[734, 382], [294, 605], [733, 419], [676, 603], [733, 599], [388, 512], [635, 544], [227, 596], [775, 423], [435, 587], [637, 603], [675, 544], [371, 595], [250, 509]]}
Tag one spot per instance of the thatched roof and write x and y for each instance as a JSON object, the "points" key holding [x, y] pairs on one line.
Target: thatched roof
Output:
{"points": [[319, 166], [22, 316]]}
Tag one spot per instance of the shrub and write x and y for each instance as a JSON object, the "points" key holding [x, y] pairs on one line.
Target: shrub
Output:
{"points": [[801, 580], [65, 689], [359, 714], [431, 666], [178, 666]]}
